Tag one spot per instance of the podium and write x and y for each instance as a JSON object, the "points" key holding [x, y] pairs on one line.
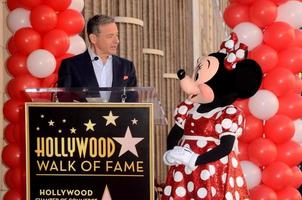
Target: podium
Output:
{"points": [[91, 143]]}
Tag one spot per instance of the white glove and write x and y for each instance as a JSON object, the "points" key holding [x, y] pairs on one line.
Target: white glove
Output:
{"points": [[185, 156], [168, 159]]}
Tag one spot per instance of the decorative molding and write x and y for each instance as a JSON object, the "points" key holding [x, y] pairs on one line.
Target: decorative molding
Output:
{"points": [[170, 75], [129, 20], [153, 51]]}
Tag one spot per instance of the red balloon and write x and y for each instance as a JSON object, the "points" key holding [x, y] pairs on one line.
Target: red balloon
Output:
{"points": [[298, 38], [11, 46], [262, 151], [290, 105], [279, 129], [243, 105], [71, 21], [9, 133], [253, 129], [13, 178], [289, 193], [50, 81], [266, 56], [242, 154], [16, 65], [262, 192], [297, 177], [59, 61], [291, 59], [277, 175], [281, 32], [43, 18], [298, 85], [29, 4], [235, 14], [58, 5], [279, 81], [263, 13], [27, 40], [247, 2], [12, 110], [13, 195], [279, 2], [13, 4], [56, 41], [12, 155], [290, 153], [15, 88]]}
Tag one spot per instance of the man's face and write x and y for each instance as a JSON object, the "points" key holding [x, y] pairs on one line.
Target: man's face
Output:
{"points": [[107, 40]]}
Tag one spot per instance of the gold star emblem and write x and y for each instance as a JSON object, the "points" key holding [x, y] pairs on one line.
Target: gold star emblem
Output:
{"points": [[89, 125], [51, 123], [73, 130], [134, 121], [110, 119]]}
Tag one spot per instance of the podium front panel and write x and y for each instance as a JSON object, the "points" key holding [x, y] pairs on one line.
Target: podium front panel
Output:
{"points": [[92, 151]]}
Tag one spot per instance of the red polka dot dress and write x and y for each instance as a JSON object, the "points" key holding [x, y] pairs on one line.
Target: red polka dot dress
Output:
{"points": [[218, 180]]}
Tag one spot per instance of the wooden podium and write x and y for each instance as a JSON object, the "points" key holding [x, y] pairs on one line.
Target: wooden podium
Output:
{"points": [[92, 144]]}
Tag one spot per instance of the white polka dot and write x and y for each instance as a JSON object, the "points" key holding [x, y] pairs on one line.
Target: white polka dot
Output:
{"points": [[237, 196], [202, 192], [180, 191], [231, 181], [226, 123], [180, 120], [239, 181], [218, 128], [178, 176], [187, 146], [223, 178], [234, 65], [188, 102], [213, 191], [190, 186], [205, 175], [167, 190], [234, 127], [229, 44], [218, 115], [201, 143], [240, 119], [234, 162], [182, 110], [231, 57], [231, 111], [229, 196], [188, 171], [192, 131], [239, 131], [224, 160], [171, 198], [212, 170], [240, 53], [209, 149], [223, 50], [192, 124]]}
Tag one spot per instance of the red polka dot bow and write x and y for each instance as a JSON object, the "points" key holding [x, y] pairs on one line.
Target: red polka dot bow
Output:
{"points": [[235, 52]]}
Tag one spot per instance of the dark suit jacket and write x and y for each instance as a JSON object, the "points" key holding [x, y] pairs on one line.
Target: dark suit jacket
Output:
{"points": [[77, 72]]}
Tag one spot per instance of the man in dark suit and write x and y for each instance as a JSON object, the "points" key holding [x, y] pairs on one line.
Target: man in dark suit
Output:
{"points": [[98, 66]]}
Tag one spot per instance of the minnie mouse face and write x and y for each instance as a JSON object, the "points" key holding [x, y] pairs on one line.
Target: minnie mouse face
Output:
{"points": [[197, 88]]}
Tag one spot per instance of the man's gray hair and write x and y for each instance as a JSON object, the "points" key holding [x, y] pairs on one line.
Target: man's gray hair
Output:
{"points": [[97, 20]]}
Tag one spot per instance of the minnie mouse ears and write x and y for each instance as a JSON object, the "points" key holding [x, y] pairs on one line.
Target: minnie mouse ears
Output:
{"points": [[234, 52]]}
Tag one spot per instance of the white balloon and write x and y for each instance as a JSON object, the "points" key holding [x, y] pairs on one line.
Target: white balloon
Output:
{"points": [[77, 45], [291, 13], [17, 19], [249, 34], [251, 172], [77, 5], [298, 131], [41, 63], [264, 104]]}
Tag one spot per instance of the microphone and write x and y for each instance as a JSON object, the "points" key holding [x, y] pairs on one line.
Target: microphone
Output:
{"points": [[95, 59]]}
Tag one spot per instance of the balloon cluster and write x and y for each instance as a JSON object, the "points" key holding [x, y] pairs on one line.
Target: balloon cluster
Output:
{"points": [[270, 148], [43, 33]]}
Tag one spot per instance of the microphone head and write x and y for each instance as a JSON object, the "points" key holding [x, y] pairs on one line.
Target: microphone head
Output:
{"points": [[95, 58]]}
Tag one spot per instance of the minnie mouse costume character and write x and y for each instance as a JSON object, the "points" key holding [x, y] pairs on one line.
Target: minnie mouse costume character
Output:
{"points": [[202, 144]]}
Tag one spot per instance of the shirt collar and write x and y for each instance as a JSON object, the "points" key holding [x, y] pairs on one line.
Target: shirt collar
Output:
{"points": [[93, 55]]}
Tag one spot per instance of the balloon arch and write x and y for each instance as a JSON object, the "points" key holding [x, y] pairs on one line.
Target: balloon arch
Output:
{"points": [[46, 31]]}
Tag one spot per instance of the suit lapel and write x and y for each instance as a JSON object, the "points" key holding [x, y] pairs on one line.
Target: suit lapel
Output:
{"points": [[117, 72], [88, 75]]}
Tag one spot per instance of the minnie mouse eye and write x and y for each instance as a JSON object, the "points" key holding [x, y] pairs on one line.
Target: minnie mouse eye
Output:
{"points": [[196, 76]]}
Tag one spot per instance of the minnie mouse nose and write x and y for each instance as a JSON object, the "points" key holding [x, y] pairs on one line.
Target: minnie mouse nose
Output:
{"points": [[181, 74]]}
